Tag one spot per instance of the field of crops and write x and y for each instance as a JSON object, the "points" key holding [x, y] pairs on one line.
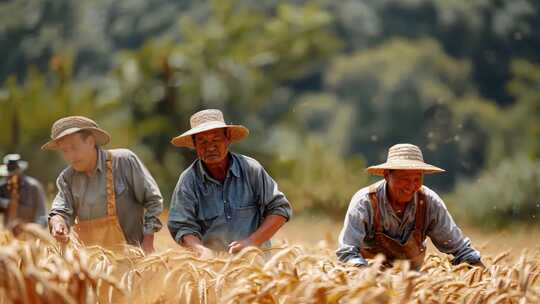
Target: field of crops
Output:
{"points": [[34, 270]]}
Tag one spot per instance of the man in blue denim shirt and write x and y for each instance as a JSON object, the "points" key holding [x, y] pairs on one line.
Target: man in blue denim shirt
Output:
{"points": [[224, 201], [394, 216], [29, 205]]}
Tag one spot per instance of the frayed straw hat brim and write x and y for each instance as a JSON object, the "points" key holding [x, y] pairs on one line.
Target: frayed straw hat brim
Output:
{"points": [[404, 165], [101, 137], [404, 157], [236, 133]]}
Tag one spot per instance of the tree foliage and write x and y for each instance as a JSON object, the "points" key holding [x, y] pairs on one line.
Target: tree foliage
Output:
{"points": [[325, 86]]}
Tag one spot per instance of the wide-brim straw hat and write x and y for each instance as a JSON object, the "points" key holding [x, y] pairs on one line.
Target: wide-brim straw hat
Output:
{"points": [[73, 124], [12, 158], [404, 157], [207, 120]]}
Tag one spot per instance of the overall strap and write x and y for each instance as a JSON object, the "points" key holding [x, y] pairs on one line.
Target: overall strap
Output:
{"points": [[13, 188], [375, 206], [420, 218], [111, 199]]}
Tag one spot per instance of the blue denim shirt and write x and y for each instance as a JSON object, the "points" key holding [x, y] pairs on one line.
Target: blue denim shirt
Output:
{"points": [[219, 214], [31, 205], [358, 228]]}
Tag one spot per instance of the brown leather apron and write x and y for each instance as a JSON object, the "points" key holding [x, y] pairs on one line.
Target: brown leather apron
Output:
{"points": [[413, 250], [106, 231]]}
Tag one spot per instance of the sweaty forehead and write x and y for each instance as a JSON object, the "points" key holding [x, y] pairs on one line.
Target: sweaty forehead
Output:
{"points": [[71, 139], [211, 134], [406, 173]]}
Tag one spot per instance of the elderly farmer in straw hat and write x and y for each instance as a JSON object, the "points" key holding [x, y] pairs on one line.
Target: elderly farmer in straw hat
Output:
{"points": [[108, 196], [21, 196], [224, 201], [394, 216]]}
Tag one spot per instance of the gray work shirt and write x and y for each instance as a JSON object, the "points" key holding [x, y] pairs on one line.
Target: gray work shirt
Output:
{"points": [[358, 228], [219, 214], [31, 204], [138, 199]]}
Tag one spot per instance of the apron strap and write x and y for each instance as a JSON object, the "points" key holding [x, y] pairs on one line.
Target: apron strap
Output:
{"points": [[375, 206], [13, 187], [111, 199]]}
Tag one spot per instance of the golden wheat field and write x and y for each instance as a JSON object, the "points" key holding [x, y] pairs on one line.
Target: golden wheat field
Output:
{"points": [[301, 268]]}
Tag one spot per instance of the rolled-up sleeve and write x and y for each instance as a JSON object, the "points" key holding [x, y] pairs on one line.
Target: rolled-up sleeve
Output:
{"points": [[147, 192], [355, 228], [62, 204], [273, 200], [446, 235], [183, 212]]}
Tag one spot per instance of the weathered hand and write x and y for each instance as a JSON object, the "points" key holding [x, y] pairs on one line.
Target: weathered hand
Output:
{"points": [[193, 242], [59, 229], [237, 246], [205, 253], [148, 244]]}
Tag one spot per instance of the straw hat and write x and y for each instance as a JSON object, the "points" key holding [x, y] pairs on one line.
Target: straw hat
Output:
{"points": [[207, 120], [73, 124], [11, 163], [404, 157]]}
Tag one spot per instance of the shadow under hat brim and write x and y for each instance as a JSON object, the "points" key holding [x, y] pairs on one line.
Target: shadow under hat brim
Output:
{"points": [[236, 133], [405, 165], [101, 137]]}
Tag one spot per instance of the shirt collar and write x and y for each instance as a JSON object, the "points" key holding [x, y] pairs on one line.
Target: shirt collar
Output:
{"points": [[233, 169], [101, 158]]}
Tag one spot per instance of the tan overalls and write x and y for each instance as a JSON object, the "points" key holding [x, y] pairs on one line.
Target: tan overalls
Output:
{"points": [[106, 231], [413, 250]]}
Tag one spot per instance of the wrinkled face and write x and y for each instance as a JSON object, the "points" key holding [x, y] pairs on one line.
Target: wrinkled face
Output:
{"points": [[402, 184], [78, 151], [212, 146]]}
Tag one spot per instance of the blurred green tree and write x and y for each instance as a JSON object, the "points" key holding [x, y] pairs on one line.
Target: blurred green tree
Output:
{"points": [[309, 147], [507, 191], [525, 113], [32, 32], [403, 91], [233, 60], [503, 196], [29, 110], [486, 33], [442, 74]]}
